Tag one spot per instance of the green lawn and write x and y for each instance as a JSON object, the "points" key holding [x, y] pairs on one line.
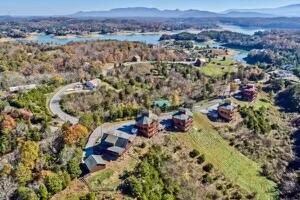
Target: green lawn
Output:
{"points": [[217, 68], [235, 166]]}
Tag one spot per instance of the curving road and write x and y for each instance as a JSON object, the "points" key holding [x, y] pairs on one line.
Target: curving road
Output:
{"points": [[54, 104]]}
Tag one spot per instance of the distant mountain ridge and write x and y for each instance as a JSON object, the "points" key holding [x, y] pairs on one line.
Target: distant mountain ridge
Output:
{"points": [[154, 12], [285, 11]]}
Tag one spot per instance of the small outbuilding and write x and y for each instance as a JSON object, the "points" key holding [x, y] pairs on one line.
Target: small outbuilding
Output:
{"points": [[95, 163]]}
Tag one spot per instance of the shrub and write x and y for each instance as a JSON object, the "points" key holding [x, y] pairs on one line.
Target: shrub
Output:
{"points": [[200, 159], [89, 196], [206, 179], [143, 145], [177, 148], [208, 167], [194, 153]]}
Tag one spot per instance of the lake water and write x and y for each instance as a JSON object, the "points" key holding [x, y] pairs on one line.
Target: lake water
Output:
{"points": [[152, 38], [147, 38], [239, 29], [44, 39]]}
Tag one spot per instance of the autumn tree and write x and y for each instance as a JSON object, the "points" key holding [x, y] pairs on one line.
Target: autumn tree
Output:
{"points": [[29, 154], [75, 133], [8, 123], [175, 99]]}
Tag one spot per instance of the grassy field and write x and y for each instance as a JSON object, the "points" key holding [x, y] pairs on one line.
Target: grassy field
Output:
{"points": [[262, 100], [217, 67], [235, 166]]}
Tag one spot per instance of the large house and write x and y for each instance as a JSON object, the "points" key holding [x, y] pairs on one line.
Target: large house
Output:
{"points": [[183, 119], [249, 92], [111, 146], [227, 111], [116, 143], [147, 124]]}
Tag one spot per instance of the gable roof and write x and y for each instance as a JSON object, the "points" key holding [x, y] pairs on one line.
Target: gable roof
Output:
{"points": [[146, 118], [116, 149], [111, 139], [94, 160]]}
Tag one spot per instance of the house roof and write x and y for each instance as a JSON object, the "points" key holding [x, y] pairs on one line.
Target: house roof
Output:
{"points": [[111, 139], [93, 82], [161, 103], [183, 114], [116, 140], [227, 107], [146, 118], [116, 149], [94, 160]]}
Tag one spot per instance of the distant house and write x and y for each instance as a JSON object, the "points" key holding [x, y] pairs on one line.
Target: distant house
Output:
{"points": [[136, 58], [183, 119], [95, 163], [200, 62], [162, 104], [237, 81], [227, 111], [147, 124], [22, 88], [249, 92], [92, 84]]}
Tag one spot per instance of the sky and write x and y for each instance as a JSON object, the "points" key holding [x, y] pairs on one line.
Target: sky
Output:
{"points": [[60, 7]]}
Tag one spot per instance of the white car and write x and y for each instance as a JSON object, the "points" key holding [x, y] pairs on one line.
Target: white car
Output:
{"points": [[134, 131]]}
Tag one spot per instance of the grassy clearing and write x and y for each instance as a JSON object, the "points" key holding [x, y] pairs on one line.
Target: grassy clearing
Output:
{"points": [[235, 166], [262, 100], [74, 191], [217, 68], [97, 180]]}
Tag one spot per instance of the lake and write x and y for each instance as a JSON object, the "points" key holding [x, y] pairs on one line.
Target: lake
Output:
{"points": [[239, 29], [149, 38], [44, 39]]}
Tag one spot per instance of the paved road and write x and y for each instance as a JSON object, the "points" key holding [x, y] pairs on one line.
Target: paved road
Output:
{"points": [[54, 104], [167, 62]]}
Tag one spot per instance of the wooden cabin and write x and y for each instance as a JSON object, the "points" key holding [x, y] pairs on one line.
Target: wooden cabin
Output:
{"points": [[183, 120], [147, 124], [227, 111], [249, 92]]}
